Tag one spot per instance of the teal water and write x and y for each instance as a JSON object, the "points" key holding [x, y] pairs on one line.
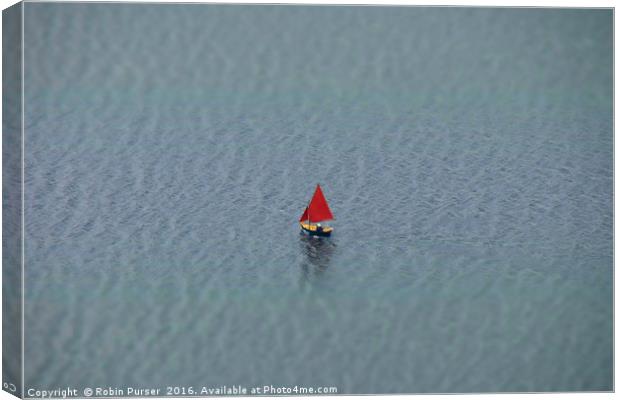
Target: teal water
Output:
{"points": [[466, 154]]}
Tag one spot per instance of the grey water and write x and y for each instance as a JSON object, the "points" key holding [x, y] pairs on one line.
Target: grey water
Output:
{"points": [[466, 154]]}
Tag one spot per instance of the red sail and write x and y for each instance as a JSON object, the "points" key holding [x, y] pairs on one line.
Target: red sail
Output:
{"points": [[304, 216], [317, 210]]}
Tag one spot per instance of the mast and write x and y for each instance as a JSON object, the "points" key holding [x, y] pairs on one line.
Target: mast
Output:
{"points": [[309, 212]]}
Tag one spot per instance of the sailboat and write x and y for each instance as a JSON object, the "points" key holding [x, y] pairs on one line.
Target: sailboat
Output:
{"points": [[316, 212]]}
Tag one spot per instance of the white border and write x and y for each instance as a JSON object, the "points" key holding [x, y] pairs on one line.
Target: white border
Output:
{"points": [[480, 3], [432, 3]]}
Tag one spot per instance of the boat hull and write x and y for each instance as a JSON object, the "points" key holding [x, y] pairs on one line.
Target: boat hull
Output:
{"points": [[314, 230]]}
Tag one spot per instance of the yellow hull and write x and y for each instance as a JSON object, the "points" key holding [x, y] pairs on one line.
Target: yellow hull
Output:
{"points": [[313, 229]]}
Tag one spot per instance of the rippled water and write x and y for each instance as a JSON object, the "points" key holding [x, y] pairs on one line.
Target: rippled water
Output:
{"points": [[466, 154]]}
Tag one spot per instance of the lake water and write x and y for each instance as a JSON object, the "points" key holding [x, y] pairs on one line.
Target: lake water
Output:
{"points": [[466, 154]]}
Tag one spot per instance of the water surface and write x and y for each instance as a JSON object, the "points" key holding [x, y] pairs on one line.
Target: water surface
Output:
{"points": [[466, 154]]}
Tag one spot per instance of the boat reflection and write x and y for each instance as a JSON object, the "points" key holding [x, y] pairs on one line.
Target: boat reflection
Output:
{"points": [[317, 254]]}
